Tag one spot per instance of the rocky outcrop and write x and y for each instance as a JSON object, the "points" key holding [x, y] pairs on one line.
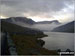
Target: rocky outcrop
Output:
{"points": [[40, 42], [7, 45]]}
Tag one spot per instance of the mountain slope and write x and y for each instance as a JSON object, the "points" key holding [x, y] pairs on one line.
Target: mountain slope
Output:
{"points": [[20, 20], [69, 27], [13, 28]]}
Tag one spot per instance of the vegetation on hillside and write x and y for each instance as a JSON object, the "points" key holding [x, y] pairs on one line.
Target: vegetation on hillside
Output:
{"points": [[26, 39], [27, 45]]}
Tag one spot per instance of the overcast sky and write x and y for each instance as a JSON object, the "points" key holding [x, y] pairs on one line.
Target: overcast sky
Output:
{"points": [[39, 10]]}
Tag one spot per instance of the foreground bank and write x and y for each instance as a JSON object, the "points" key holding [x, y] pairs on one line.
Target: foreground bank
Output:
{"points": [[26, 40]]}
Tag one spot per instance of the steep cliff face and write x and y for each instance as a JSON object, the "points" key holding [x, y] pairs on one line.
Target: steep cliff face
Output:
{"points": [[69, 27]]}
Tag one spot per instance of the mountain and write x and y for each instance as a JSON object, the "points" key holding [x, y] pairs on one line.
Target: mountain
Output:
{"points": [[18, 20], [48, 22], [69, 27], [24, 20], [13, 28]]}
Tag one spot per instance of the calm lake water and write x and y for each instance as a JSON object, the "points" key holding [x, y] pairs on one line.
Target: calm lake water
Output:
{"points": [[57, 40]]}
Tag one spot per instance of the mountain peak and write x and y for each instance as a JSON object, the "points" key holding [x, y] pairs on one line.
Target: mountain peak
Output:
{"points": [[20, 19]]}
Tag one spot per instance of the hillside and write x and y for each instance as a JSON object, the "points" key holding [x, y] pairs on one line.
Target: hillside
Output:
{"points": [[13, 28], [20, 20], [26, 40], [69, 27]]}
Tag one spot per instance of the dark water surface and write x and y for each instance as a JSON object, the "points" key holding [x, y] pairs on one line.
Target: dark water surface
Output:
{"points": [[57, 40]]}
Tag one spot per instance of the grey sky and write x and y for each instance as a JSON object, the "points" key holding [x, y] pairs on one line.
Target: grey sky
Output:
{"points": [[41, 9]]}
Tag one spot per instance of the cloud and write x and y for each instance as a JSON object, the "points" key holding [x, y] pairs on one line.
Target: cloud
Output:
{"points": [[41, 8]]}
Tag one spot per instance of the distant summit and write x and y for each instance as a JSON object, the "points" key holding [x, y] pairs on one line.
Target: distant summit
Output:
{"points": [[48, 22], [19, 20], [69, 27]]}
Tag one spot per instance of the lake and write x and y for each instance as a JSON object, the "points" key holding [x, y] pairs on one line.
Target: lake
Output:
{"points": [[57, 40]]}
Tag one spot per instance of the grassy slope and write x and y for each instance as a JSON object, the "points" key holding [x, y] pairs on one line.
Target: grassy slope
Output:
{"points": [[25, 44]]}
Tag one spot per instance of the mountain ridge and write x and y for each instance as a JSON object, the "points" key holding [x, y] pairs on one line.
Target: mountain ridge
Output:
{"points": [[26, 20], [69, 27], [13, 28], [19, 19], [48, 22]]}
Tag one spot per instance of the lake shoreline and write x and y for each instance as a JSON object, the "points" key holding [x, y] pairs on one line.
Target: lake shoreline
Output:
{"points": [[58, 40], [34, 45]]}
